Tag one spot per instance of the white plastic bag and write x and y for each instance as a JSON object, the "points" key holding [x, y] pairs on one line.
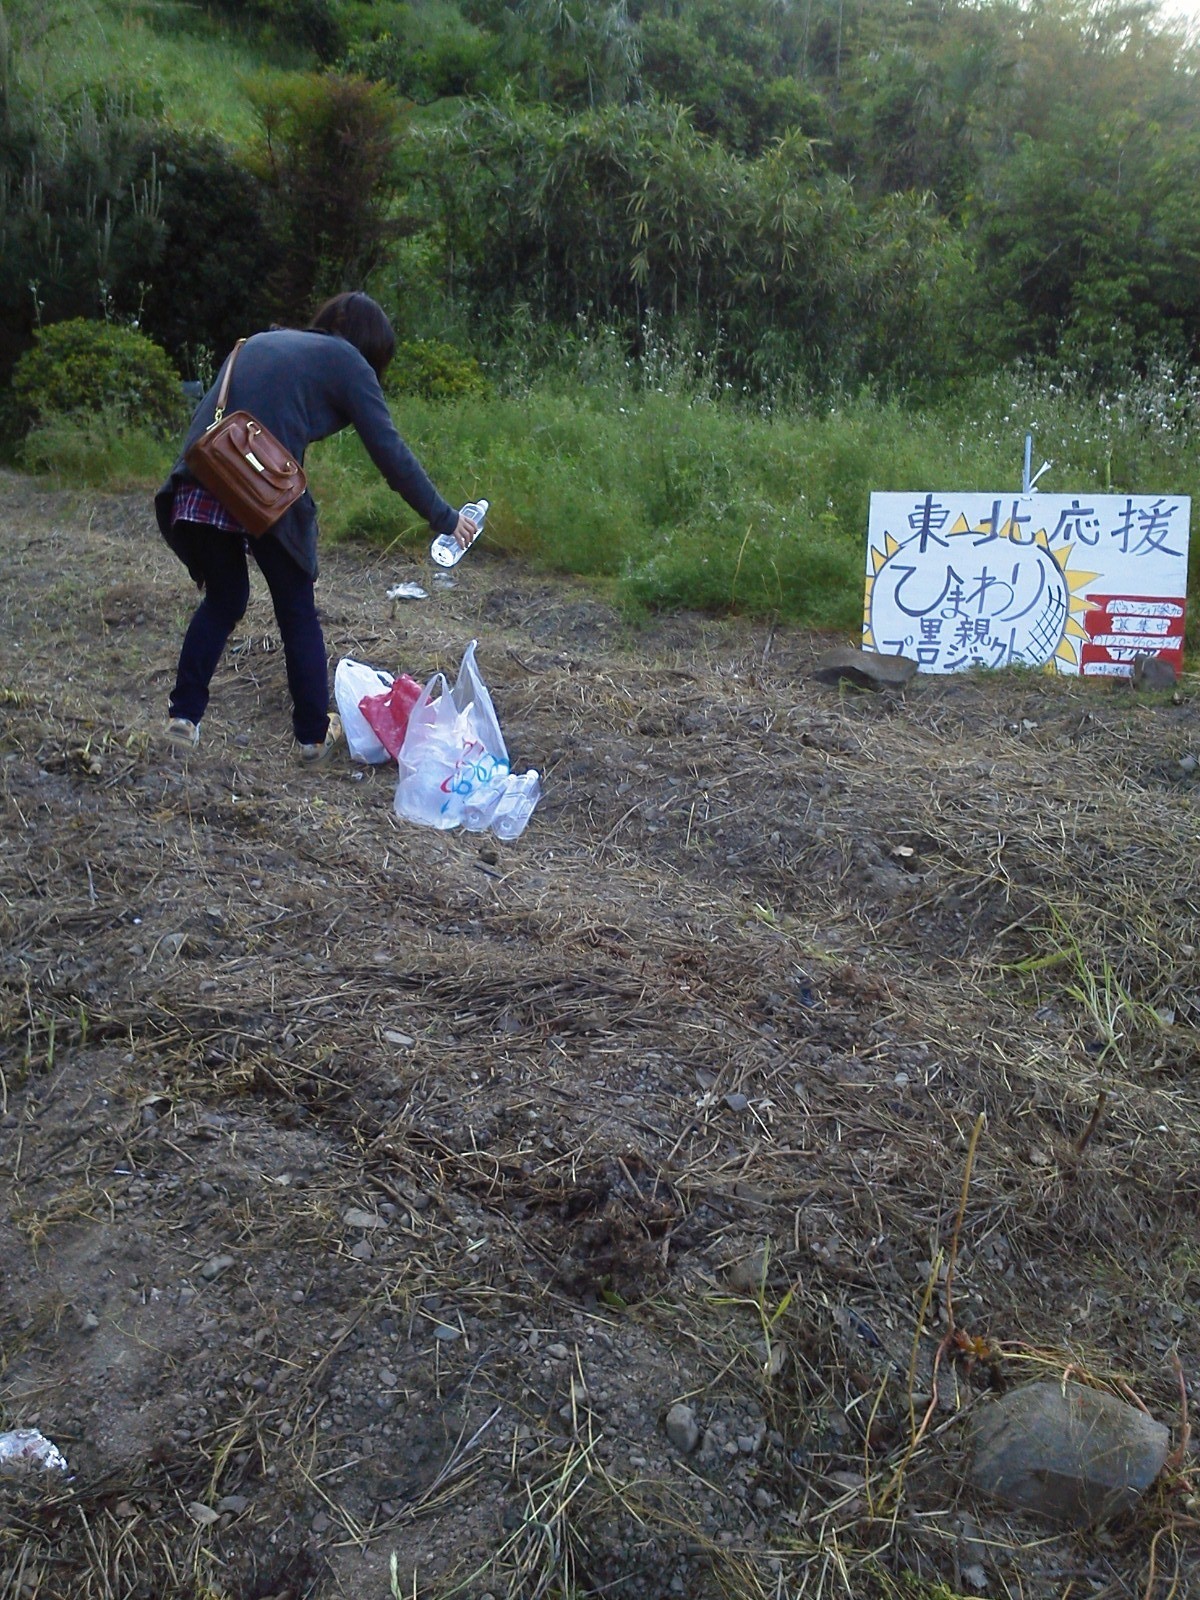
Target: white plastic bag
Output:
{"points": [[453, 749], [25, 1448], [352, 682], [470, 690]]}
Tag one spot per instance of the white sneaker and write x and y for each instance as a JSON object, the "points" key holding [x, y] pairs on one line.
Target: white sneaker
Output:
{"points": [[181, 731], [311, 755]]}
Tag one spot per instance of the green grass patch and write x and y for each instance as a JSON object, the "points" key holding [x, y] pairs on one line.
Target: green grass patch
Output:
{"points": [[172, 62], [677, 504], [96, 450], [685, 500], [682, 500]]}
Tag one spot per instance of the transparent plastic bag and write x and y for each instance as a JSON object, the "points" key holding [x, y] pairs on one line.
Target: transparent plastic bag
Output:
{"points": [[470, 690], [353, 682], [429, 759], [453, 749]]}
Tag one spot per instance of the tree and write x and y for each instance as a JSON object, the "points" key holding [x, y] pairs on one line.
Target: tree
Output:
{"points": [[218, 257], [327, 162], [1084, 244], [80, 220], [629, 211], [592, 53]]}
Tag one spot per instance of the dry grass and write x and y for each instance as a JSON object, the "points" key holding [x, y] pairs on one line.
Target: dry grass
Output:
{"points": [[823, 1058]]}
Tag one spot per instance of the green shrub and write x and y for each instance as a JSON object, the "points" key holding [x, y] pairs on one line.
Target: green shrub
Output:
{"points": [[87, 367], [426, 60], [315, 25], [79, 220], [435, 371], [327, 163]]}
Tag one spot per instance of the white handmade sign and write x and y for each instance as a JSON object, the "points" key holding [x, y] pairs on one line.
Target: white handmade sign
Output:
{"points": [[1085, 583]]}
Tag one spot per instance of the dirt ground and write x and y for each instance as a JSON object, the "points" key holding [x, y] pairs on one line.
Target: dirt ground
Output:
{"points": [[372, 1195]]}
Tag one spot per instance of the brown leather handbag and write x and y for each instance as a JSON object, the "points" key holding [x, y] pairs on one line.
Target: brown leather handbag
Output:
{"points": [[253, 476]]}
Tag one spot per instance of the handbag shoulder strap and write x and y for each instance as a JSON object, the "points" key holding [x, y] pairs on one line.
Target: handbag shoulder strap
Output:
{"points": [[224, 392]]}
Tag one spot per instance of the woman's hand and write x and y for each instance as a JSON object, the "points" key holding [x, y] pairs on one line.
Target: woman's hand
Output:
{"points": [[466, 532]]}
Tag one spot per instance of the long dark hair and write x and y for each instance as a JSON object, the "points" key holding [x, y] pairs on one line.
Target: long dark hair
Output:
{"points": [[362, 322]]}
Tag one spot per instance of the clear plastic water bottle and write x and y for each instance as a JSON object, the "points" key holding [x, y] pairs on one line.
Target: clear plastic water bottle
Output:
{"points": [[515, 805], [445, 549], [490, 777]]}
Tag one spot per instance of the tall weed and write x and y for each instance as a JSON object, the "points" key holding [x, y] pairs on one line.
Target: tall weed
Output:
{"points": [[96, 450], [682, 499], [1140, 437], [688, 499]]}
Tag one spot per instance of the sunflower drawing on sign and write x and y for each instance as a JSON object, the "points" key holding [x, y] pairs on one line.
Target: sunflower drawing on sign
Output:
{"points": [[990, 595]]}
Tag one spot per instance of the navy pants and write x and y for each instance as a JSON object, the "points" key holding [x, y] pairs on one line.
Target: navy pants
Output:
{"points": [[219, 558]]}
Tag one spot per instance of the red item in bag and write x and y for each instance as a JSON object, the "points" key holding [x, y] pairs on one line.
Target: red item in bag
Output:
{"points": [[387, 714]]}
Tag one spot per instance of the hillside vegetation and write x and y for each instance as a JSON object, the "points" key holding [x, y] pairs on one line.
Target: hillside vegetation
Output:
{"points": [[678, 287], [908, 190], [651, 1207]]}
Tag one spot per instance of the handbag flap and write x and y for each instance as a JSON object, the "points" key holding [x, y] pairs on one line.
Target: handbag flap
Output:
{"points": [[248, 469], [257, 446]]}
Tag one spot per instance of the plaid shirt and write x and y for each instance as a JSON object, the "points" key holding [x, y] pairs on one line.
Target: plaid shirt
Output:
{"points": [[193, 503]]}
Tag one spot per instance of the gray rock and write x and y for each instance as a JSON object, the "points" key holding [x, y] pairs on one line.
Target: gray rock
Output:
{"points": [[866, 669], [1073, 1455], [682, 1428], [214, 1268], [1153, 672], [746, 1274], [973, 1551], [355, 1218]]}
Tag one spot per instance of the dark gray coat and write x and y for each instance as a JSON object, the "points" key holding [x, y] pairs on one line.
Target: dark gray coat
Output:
{"points": [[304, 386]]}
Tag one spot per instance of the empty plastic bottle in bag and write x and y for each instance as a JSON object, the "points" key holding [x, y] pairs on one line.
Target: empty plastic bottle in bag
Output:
{"points": [[491, 776], [515, 806], [445, 549]]}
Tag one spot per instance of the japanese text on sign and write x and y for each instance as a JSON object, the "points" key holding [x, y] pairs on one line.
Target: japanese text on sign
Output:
{"points": [[1086, 583]]}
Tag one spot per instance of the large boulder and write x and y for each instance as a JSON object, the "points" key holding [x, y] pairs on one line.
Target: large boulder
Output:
{"points": [[864, 668], [1154, 672], [1071, 1454]]}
